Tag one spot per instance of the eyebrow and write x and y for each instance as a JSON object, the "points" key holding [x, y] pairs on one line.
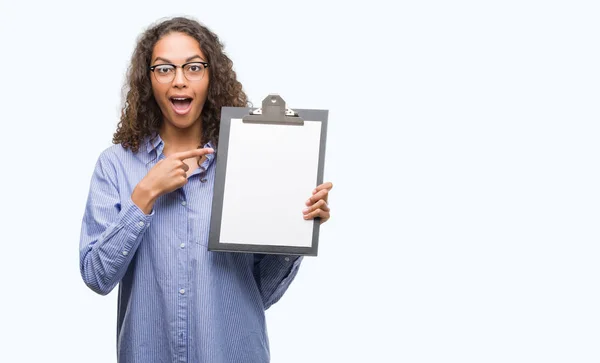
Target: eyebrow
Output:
{"points": [[168, 61]]}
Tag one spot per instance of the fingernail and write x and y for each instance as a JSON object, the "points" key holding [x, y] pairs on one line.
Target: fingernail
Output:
{"points": [[305, 210], [308, 202]]}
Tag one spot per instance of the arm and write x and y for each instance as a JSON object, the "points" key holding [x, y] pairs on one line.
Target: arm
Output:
{"points": [[110, 232], [274, 274]]}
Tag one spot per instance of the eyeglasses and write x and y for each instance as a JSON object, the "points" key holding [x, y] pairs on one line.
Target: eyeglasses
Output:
{"points": [[193, 71]]}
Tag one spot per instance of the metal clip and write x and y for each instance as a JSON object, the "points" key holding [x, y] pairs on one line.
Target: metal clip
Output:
{"points": [[274, 112]]}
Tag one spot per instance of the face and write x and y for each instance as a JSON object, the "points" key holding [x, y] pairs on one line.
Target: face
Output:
{"points": [[180, 100]]}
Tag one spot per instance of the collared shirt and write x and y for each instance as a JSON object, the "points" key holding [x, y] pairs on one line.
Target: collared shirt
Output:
{"points": [[177, 302]]}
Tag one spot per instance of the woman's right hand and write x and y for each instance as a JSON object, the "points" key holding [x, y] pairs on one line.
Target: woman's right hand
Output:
{"points": [[166, 176]]}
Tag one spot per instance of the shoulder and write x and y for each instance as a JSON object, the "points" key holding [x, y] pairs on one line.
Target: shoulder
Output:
{"points": [[117, 152], [116, 157], [113, 154]]}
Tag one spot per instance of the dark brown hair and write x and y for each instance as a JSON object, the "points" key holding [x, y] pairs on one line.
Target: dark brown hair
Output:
{"points": [[141, 117]]}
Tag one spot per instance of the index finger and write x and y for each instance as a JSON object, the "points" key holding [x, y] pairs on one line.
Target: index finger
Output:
{"points": [[192, 153], [327, 185]]}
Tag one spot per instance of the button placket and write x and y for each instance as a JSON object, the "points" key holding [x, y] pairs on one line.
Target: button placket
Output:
{"points": [[183, 214]]}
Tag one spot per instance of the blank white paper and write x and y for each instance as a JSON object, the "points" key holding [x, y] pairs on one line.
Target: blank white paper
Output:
{"points": [[271, 172]]}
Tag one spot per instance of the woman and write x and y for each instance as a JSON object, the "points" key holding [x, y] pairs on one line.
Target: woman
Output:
{"points": [[146, 221]]}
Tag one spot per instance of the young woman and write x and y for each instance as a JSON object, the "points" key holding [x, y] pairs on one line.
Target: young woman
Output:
{"points": [[146, 221]]}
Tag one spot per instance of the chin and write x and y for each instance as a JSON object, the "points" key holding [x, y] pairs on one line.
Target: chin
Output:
{"points": [[182, 122]]}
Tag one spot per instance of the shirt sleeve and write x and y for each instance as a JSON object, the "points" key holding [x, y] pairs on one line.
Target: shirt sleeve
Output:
{"points": [[274, 274], [111, 230]]}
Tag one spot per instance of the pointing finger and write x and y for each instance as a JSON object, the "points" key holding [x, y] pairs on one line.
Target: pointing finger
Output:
{"points": [[192, 153]]}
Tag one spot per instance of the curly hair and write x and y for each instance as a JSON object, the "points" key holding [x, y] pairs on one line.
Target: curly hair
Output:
{"points": [[141, 116]]}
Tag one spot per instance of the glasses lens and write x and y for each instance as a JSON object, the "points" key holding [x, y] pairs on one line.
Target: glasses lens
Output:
{"points": [[194, 71], [164, 74]]}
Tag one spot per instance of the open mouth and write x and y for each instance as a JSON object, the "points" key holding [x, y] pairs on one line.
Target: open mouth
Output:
{"points": [[181, 105]]}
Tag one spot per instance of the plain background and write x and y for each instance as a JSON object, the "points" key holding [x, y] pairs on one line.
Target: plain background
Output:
{"points": [[463, 146]]}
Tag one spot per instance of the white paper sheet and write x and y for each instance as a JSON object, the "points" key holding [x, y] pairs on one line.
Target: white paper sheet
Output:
{"points": [[271, 172]]}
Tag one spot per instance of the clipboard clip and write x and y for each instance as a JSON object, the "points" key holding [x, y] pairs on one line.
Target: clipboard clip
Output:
{"points": [[273, 112]]}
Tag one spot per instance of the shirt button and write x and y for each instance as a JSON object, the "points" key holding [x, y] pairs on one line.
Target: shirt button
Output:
{"points": [[182, 291], [141, 223], [182, 245], [203, 180], [287, 259], [125, 253], [183, 203]]}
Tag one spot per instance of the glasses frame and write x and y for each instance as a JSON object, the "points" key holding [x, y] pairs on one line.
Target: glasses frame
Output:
{"points": [[152, 68]]}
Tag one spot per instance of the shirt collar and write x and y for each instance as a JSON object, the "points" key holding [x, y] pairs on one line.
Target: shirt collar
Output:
{"points": [[153, 143]]}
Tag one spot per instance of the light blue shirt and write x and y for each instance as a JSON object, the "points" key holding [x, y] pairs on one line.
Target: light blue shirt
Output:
{"points": [[177, 302]]}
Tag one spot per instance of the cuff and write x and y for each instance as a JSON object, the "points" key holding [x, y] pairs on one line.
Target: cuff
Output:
{"points": [[288, 261], [134, 219]]}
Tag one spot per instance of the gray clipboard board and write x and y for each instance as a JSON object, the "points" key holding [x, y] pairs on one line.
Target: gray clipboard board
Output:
{"points": [[226, 227]]}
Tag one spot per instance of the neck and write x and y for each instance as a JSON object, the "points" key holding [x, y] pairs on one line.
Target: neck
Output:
{"points": [[177, 140]]}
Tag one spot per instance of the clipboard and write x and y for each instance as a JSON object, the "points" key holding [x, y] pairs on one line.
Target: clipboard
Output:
{"points": [[268, 161]]}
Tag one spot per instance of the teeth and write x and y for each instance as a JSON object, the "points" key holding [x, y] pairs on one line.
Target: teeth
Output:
{"points": [[179, 99]]}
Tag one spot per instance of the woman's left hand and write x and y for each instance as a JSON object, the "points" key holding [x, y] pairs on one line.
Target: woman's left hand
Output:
{"points": [[317, 204]]}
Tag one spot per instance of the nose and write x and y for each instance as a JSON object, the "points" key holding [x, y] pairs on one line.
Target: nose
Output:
{"points": [[179, 81]]}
